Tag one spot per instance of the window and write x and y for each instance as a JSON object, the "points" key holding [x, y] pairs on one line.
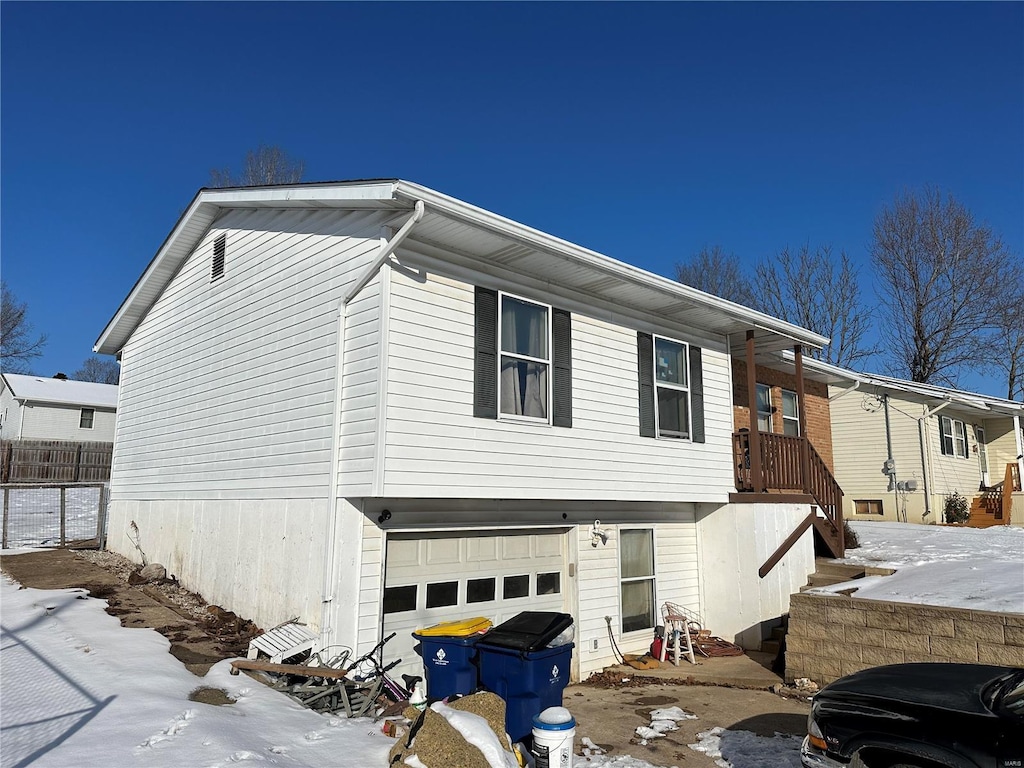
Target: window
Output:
{"points": [[764, 408], [442, 593], [636, 565], [86, 419], [672, 385], [219, 250], [790, 413], [953, 437], [870, 507], [516, 586], [549, 583], [399, 599], [480, 590], [522, 365], [524, 382]]}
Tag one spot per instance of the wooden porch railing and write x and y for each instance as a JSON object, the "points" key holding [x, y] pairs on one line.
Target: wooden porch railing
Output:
{"points": [[782, 469]]}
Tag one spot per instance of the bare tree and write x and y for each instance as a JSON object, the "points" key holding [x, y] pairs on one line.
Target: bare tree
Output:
{"points": [[814, 289], [98, 369], [945, 280], [1008, 348], [18, 344], [263, 165], [714, 271]]}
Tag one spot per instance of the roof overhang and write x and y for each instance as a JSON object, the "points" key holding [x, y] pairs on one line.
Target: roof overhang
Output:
{"points": [[482, 236], [834, 375]]}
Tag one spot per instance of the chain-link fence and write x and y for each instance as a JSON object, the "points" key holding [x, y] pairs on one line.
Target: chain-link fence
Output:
{"points": [[54, 515]]}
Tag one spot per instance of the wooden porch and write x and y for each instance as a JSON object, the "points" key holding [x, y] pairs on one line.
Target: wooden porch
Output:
{"points": [[994, 506], [772, 463]]}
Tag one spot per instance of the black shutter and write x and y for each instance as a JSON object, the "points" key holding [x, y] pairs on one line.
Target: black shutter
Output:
{"points": [[219, 249], [645, 371], [485, 371], [696, 396], [561, 359]]}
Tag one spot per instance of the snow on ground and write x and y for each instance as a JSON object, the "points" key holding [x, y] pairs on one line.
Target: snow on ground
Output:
{"points": [[33, 515], [743, 749], [80, 690], [977, 568]]}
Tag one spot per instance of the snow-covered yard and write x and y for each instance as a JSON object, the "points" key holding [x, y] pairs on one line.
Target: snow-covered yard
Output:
{"points": [[978, 568], [78, 689], [32, 515]]}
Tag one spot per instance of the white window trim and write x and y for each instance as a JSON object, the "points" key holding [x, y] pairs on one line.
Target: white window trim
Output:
{"points": [[758, 412], [653, 578], [957, 436], [785, 418], [549, 363], [670, 385], [81, 414]]}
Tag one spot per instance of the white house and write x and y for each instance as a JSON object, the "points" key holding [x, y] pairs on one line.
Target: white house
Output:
{"points": [[37, 408], [377, 407], [900, 448]]}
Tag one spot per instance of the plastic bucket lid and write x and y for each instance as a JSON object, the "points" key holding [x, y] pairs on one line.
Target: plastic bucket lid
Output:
{"points": [[568, 725]]}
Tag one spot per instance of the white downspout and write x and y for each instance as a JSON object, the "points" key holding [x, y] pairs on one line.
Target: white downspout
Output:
{"points": [[845, 392], [926, 455], [330, 555]]}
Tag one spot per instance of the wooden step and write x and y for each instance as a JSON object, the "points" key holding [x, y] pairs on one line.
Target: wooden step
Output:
{"points": [[825, 567]]}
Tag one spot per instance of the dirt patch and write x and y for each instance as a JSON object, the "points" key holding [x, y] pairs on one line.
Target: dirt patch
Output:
{"points": [[200, 635], [215, 696]]}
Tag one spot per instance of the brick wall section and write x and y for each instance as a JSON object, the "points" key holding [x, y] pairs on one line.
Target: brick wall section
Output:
{"points": [[833, 635], [819, 423]]}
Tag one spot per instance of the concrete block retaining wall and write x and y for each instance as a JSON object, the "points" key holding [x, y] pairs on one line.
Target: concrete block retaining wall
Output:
{"points": [[834, 635]]}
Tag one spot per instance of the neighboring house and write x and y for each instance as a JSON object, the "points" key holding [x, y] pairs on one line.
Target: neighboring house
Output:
{"points": [[901, 448], [376, 407], [37, 408]]}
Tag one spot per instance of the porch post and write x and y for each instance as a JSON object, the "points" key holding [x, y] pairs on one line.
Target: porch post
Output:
{"points": [[756, 478], [805, 454]]}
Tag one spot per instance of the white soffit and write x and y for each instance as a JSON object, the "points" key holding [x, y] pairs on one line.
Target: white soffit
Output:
{"points": [[481, 235]]}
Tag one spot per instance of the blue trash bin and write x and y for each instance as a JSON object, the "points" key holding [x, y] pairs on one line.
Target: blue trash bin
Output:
{"points": [[528, 681], [448, 664]]}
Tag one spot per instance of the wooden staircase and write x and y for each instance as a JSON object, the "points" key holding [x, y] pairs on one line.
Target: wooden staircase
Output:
{"points": [[993, 506]]}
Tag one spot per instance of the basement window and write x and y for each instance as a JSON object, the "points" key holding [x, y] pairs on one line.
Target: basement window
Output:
{"points": [[220, 246], [868, 507]]}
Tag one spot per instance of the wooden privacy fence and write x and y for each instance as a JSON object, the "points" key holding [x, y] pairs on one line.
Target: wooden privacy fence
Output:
{"points": [[54, 461], [54, 515]]}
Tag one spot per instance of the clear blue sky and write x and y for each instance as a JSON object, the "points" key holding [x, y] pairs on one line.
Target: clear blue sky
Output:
{"points": [[643, 131]]}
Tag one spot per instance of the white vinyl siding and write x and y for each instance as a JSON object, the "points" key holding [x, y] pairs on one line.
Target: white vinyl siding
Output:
{"points": [[227, 388], [63, 422], [435, 448]]}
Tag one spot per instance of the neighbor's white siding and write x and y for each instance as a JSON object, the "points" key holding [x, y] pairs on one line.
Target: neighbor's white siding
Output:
{"points": [[62, 422], [436, 448], [10, 414]]}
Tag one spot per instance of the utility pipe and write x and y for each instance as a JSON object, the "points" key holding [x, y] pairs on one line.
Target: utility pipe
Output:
{"points": [[330, 556], [924, 456]]}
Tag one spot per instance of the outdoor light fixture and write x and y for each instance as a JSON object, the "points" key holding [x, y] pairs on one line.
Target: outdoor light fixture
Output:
{"points": [[384, 516], [598, 535]]}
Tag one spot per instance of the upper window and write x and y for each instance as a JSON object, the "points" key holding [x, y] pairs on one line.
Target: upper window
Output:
{"points": [[86, 419], [764, 408], [953, 434], [636, 565], [790, 413], [525, 382], [673, 388]]}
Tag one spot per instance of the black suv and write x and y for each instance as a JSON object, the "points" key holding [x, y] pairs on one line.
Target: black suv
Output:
{"points": [[919, 716]]}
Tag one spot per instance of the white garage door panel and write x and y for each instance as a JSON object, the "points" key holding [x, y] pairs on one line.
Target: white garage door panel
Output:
{"points": [[484, 574]]}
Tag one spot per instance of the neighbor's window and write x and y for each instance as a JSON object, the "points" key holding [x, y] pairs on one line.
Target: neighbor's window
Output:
{"points": [[954, 437], [764, 408], [790, 413], [85, 421], [524, 383], [868, 507], [636, 563], [673, 389]]}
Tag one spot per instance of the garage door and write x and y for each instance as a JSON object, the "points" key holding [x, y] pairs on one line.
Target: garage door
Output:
{"points": [[436, 577]]}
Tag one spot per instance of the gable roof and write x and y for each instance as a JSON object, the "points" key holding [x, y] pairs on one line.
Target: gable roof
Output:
{"points": [[470, 235], [61, 391], [832, 374]]}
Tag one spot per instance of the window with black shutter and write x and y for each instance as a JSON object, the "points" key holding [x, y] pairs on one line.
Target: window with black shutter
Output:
{"points": [[523, 360], [671, 385]]}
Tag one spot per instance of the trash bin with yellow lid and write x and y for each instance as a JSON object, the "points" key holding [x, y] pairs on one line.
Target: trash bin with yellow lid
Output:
{"points": [[449, 656]]}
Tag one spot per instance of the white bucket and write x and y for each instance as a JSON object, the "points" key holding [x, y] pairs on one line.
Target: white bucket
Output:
{"points": [[554, 731]]}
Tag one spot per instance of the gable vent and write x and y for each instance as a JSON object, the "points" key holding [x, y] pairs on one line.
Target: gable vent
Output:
{"points": [[219, 248]]}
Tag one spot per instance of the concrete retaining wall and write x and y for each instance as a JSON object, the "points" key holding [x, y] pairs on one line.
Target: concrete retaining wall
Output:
{"points": [[833, 635]]}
